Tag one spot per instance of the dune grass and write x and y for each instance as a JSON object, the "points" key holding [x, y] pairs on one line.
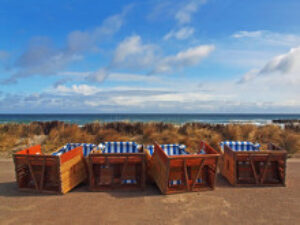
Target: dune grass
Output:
{"points": [[14, 137]]}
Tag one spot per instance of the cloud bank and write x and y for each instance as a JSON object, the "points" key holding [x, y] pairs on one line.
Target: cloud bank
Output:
{"points": [[42, 58], [132, 53]]}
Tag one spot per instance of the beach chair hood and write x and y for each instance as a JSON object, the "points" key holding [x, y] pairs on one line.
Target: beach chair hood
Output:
{"points": [[240, 145], [86, 148], [120, 147], [170, 149]]}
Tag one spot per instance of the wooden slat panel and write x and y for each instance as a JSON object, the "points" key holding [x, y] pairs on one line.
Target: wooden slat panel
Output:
{"points": [[250, 173], [165, 168], [107, 171], [50, 173], [159, 171], [177, 161], [100, 159], [71, 154]]}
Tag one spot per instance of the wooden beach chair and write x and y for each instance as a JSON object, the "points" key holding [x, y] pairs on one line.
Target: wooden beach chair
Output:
{"points": [[245, 164], [58, 172], [174, 170], [118, 166]]}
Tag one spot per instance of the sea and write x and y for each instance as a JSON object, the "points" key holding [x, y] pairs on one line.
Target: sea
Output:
{"points": [[217, 118]]}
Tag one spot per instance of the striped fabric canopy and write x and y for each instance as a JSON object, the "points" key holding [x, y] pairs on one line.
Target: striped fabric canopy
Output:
{"points": [[87, 148], [240, 145], [170, 149], [120, 147]]}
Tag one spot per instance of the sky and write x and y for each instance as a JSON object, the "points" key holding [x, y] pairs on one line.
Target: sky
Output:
{"points": [[151, 56]]}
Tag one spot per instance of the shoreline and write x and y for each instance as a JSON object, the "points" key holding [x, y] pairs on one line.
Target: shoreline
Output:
{"points": [[174, 118], [208, 122]]}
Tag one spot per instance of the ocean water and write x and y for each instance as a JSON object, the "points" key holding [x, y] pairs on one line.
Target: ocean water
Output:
{"points": [[258, 119]]}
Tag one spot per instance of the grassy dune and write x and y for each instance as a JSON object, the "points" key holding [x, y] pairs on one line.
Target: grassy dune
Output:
{"points": [[52, 135]]}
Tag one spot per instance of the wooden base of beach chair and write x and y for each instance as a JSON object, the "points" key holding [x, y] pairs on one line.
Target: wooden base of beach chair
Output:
{"points": [[186, 169], [114, 171], [255, 168], [49, 173]]}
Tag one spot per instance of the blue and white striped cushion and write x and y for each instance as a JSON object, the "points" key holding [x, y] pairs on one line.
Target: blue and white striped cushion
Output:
{"points": [[178, 182], [100, 147], [150, 148], [86, 147], [202, 151], [170, 149], [240, 145], [120, 147], [129, 182]]}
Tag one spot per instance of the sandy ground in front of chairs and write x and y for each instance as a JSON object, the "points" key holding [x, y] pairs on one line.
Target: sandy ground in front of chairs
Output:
{"points": [[225, 205]]}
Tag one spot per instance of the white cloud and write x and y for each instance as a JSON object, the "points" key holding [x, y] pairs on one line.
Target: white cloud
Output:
{"points": [[181, 11], [248, 34], [160, 99], [269, 37], [74, 73], [248, 50], [41, 58], [264, 94], [102, 74], [87, 40], [184, 14], [132, 77], [98, 76], [287, 64], [92, 103], [132, 53], [189, 57], [249, 76], [81, 89], [240, 57], [181, 34]]}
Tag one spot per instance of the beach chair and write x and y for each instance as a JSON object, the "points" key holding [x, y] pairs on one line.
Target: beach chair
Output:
{"points": [[244, 163], [117, 166], [58, 172], [175, 170]]}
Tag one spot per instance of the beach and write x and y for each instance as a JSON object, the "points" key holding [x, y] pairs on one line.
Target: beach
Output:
{"points": [[224, 205]]}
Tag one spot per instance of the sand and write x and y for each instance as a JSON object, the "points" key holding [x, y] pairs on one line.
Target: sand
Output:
{"points": [[225, 205]]}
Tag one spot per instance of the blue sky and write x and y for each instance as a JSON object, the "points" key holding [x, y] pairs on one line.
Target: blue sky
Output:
{"points": [[113, 56]]}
